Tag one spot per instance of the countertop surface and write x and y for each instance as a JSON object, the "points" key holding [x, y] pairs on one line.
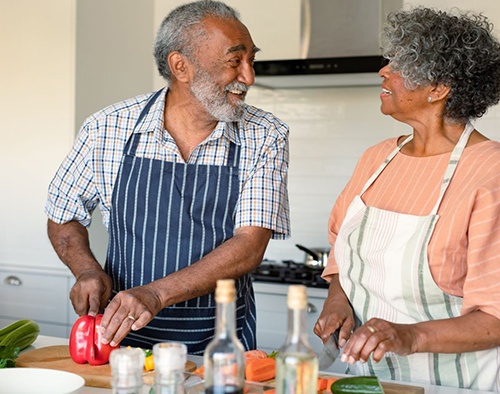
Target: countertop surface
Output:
{"points": [[48, 341]]}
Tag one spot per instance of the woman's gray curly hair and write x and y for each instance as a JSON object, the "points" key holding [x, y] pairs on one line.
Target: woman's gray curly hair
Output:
{"points": [[182, 30], [429, 47]]}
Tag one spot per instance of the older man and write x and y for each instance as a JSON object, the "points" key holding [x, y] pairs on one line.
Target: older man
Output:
{"points": [[191, 183]]}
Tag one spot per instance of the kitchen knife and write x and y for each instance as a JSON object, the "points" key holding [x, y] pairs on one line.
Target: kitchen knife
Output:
{"points": [[330, 351]]}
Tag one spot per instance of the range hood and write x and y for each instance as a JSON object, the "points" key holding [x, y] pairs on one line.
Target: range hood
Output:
{"points": [[339, 45]]}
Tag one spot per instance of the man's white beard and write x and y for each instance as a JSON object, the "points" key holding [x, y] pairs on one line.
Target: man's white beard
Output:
{"points": [[214, 99]]}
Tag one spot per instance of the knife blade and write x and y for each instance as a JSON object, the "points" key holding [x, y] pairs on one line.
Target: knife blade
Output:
{"points": [[330, 351]]}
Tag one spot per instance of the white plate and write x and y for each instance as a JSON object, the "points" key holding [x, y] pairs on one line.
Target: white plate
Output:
{"points": [[39, 381]]}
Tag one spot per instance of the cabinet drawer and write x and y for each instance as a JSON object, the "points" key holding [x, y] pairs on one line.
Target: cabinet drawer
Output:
{"points": [[39, 296]]}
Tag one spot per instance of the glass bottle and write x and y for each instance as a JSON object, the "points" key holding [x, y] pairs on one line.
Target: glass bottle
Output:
{"points": [[170, 362], [127, 366], [296, 361], [224, 356]]}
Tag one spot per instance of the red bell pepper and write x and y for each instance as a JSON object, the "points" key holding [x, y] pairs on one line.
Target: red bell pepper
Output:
{"points": [[85, 344]]}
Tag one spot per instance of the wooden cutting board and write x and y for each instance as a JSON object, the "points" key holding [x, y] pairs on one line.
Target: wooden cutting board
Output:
{"points": [[389, 387], [57, 357]]}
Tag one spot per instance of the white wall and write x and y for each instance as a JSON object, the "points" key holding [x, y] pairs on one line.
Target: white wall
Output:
{"points": [[36, 111]]}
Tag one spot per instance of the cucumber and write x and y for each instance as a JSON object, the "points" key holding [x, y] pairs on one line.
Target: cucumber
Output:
{"points": [[20, 334], [357, 385]]}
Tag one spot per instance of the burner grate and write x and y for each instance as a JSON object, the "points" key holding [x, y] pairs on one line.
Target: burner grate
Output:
{"points": [[289, 272]]}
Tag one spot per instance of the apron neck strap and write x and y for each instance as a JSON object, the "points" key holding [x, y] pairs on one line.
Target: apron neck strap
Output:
{"points": [[131, 145], [450, 170], [384, 164], [453, 163]]}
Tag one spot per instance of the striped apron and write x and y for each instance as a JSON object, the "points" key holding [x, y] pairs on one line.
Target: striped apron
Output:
{"points": [[166, 216], [384, 271]]}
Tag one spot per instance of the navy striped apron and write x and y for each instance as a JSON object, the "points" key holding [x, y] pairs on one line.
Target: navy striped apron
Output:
{"points": [[166, 216]]}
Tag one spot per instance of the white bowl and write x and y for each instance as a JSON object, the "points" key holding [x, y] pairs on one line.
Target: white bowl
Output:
{"points": [[39, 381]]}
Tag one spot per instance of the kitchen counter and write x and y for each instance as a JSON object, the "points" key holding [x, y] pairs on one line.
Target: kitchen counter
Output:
{"points": [[48, 341]]}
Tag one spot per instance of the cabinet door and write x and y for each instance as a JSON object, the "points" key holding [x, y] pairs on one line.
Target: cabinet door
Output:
{"points": [[36, 296], [272, 321]]}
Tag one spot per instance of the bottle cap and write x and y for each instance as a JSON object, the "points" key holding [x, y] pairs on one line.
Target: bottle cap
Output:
{"points": [[297, 297], [225, 291], [169, 356]]}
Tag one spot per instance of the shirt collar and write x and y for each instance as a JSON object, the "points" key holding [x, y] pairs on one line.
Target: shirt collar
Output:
{"points": [[153, 122]]}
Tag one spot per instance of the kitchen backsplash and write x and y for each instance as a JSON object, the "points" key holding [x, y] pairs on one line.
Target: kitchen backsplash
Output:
{"points": [[329, 130]]}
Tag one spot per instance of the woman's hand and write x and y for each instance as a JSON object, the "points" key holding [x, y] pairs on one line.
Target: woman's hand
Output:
{"points": [[337, 312], [377, 337]]}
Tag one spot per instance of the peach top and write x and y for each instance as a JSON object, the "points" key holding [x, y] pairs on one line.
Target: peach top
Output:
{"points": [[464, 251]]}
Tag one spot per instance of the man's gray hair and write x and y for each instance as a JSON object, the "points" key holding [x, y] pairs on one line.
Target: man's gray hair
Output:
{"points": [[182, 30]]}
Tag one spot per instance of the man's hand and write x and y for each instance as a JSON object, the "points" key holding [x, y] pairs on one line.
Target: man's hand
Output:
{"points": [[129, 310], [91, 292], [93, 286]]}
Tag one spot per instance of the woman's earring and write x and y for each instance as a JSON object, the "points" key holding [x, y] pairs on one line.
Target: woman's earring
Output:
{"points": [[429, 99]]}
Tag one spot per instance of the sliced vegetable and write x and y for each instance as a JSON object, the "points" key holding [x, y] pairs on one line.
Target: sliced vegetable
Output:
{"points": [[149, 363], [85, 344], [329, 382], [21, 334], [322, 384], [200, 370], [357, 385], [260, 369], [251, 354]]}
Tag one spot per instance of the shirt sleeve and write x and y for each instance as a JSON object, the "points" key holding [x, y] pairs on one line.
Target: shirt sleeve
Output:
{"points": [[482, 283], [72, 194], [264, 197]]}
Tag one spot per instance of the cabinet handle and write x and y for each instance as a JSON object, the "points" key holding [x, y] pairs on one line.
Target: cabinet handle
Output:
{"points": [[311, 308], [12, 281]]}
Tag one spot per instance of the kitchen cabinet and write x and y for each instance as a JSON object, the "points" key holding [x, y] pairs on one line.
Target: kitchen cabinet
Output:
{"points": [[38, 294], [272, 317]]}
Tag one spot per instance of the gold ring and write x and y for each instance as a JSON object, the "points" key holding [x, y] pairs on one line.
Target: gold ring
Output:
{"points": [[131, 317], [371, 329]]}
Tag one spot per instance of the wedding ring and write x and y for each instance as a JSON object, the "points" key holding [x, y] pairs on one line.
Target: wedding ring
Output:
{"points": [[131, 317], [371, 329]]}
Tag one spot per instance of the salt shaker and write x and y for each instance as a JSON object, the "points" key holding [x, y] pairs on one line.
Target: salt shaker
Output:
{"points": [[127, 366], [170, 363]]}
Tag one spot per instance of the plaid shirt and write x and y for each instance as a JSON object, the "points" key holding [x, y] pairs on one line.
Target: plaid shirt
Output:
{"points": [[86, 177]]}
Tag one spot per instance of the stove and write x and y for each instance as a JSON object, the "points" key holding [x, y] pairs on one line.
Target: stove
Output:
{"points": [[289, 272]]}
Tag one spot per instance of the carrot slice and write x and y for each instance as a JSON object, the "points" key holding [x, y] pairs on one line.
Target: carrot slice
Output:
{"points": [[200, 370], [322, 384], [329, 382], [260, 369]]}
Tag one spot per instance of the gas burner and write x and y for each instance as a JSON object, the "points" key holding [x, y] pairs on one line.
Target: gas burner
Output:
{"points": [[289, 272]]}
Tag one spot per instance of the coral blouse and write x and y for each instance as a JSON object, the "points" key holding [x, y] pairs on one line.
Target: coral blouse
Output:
{"points": [[464, 251]]}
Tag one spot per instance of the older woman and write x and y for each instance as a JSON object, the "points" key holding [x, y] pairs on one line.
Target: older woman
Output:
{"points": [[415, 264]]}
